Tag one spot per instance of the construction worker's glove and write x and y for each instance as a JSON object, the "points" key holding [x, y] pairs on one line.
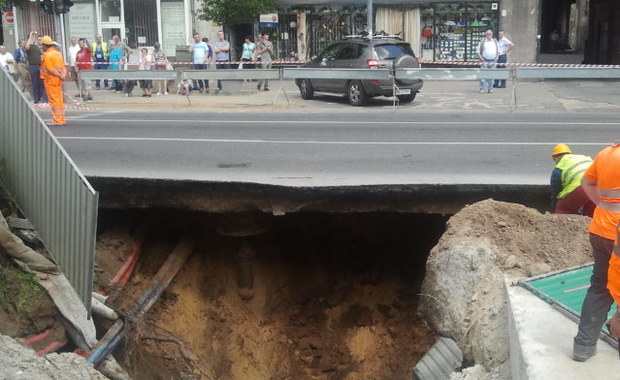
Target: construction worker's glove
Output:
{"points": [[614, 325]]}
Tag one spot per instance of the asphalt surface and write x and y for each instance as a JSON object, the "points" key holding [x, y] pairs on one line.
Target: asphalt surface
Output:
{"points": [[330, 148]]}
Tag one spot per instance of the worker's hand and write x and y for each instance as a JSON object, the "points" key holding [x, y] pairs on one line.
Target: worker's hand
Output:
{"points": [[614, 325]]}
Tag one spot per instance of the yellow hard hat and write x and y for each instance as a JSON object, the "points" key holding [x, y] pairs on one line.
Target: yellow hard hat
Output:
{"points": [[560, 149], [46, 40]]}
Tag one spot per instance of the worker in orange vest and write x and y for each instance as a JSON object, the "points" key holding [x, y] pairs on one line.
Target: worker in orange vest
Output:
{"points": [[601, 182], [53, 73], [613, 284]]}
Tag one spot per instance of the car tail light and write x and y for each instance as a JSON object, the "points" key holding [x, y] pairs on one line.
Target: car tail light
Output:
{"points": [[374, 81], [372, 63]]}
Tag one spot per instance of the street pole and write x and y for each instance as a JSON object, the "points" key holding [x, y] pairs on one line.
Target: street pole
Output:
{"points": [[369, 19]]}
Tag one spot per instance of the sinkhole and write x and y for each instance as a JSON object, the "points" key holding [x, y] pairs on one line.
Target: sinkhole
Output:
{"points": [[306, 295]]}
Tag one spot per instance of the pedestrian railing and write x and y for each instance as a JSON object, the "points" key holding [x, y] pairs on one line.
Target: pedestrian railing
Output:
{"points": [[452, 74], [128, 74], [230, 74], [329, 73], [567, 73], [511, 73], [48, 187]]}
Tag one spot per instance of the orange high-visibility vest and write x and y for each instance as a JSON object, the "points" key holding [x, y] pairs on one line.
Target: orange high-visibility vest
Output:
{"points": [[605, 171], [613, 272], [53, 67]]}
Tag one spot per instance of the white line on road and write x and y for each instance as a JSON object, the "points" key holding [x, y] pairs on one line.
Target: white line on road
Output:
{"points": [[474, 122], [326, 142]]}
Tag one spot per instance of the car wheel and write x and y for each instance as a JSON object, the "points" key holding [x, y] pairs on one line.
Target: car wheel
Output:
{"points": [[306, 89], [406, 98], [356, 94]]}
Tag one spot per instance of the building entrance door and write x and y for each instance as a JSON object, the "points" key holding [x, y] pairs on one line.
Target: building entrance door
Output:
{"points": [[111, 15]]}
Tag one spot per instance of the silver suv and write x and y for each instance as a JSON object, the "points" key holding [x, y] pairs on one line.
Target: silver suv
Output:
{"points": [[363, 53]]}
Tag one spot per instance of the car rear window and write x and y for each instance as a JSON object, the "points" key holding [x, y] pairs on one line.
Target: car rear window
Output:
{"points": [[392, 51]]}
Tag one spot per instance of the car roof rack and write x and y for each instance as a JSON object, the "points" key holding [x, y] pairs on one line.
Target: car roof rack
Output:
{"points": [[375, 36]]}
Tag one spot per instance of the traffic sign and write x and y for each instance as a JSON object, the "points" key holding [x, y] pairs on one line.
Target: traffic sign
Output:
{"points": [[9, 17]]}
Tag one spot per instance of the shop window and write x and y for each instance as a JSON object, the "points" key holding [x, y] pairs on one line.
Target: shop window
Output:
{"points": [[110, 10], [451, 32]]}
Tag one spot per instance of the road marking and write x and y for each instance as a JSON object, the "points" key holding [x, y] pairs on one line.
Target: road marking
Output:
{"points": [[459, 122], [319, 142]]}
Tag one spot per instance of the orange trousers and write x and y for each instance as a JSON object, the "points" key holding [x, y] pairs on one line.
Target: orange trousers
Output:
{"points": [[57, 104]]}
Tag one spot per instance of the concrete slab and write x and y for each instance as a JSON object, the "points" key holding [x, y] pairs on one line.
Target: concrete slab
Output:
{"points": [[541, 341]]}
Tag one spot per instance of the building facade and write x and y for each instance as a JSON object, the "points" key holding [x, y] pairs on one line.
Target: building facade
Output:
{"points": [[438, 30]]}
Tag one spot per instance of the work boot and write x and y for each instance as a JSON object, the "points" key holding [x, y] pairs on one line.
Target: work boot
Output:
{"points": [[582, 353]]}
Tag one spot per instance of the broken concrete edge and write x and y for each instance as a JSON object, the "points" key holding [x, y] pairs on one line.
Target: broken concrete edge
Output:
{"points": [[222, 197]]}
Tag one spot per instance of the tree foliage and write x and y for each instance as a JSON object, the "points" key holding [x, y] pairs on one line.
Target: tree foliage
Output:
{"points": [[17, 3], [231, 12]]}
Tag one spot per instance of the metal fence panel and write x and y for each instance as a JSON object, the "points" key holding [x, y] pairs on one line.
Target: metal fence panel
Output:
{"points": [[357, 74], [128, 74], [568, 72], [453, 74], [49, 188], [232, 74]]}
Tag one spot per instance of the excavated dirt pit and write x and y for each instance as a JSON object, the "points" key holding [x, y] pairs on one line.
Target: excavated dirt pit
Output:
{"points": [[335, 296]]}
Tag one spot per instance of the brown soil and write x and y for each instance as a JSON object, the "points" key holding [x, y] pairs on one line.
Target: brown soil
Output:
{"points": [[525, 241], [334, 298], [25, 308]]}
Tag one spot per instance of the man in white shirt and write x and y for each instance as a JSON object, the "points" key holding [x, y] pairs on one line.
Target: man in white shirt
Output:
{"points": [[488, 52], [73, 50], [7, 60], [200, 51], [505, 46]]}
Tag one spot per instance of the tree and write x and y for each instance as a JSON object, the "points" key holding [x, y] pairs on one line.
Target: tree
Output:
{"points": [[234, 11], [17, 3]]}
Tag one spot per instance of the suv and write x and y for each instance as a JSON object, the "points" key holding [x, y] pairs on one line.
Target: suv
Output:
{"points": [[363, 53]]}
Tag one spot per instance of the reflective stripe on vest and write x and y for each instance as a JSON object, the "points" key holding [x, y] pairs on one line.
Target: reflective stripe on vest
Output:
{"points": [[572, 166], [609, 206], [610, 193]]}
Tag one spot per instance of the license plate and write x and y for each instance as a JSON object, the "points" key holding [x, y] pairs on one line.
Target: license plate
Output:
{"points": [[403, 91]]}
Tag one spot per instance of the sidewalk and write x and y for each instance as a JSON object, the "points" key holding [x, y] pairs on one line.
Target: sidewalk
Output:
{"points": [[436, 96]]}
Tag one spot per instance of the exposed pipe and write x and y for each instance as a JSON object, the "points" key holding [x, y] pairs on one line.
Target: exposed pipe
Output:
{"points": [[54, 346], [100, 309], [160, 282], [245, 279], [35, 338]]}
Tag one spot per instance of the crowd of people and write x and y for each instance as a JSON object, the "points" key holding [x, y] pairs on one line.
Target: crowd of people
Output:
{"points": [[25, 64]]}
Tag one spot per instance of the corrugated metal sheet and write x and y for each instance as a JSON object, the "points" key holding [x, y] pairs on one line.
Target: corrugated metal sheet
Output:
{"points": [[440, 361], [51, 191]]}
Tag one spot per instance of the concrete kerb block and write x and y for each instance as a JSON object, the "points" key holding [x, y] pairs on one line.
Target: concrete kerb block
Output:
{"points": [[541, 342]]}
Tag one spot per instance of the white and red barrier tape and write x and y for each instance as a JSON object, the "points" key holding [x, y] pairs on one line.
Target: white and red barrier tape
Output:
{"points": [[276, 61], [422, 62], [478, 63]]}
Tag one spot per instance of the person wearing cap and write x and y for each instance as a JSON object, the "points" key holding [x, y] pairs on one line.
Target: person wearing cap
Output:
{"points": [[601, 182], [567, 195], [53, 73]]}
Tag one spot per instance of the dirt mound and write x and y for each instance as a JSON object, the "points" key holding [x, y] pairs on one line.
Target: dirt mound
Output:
{"points": [[525, 241], [465, 272]]}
